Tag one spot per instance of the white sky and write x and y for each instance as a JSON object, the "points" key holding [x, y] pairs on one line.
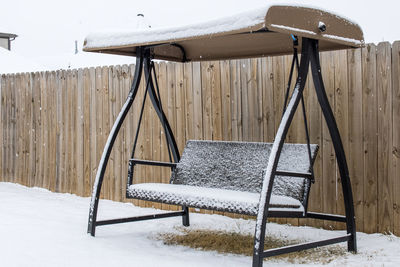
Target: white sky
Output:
{"points": [[47, 29]]}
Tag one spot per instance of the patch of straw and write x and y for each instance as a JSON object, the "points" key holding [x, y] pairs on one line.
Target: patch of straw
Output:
{"points": [[236, 243]]}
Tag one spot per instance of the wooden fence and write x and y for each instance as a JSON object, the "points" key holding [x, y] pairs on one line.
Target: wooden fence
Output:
{"points": [[54, 125]]}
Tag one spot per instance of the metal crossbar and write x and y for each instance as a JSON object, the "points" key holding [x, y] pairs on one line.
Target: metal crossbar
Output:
{"points": [[304, 246], [141, 218]]}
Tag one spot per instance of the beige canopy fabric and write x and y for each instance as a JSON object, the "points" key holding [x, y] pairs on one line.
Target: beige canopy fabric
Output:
{"points": [[262, 32]]}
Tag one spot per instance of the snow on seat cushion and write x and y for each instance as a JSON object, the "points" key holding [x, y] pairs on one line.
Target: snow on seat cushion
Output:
{"points": [[209, 198], [239, 166]]}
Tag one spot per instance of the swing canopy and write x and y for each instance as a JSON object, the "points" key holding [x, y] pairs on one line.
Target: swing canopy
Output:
{"points": [[262, 32]]}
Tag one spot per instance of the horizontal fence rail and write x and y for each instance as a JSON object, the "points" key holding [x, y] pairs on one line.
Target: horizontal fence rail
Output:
{"points": [[54, 125]]}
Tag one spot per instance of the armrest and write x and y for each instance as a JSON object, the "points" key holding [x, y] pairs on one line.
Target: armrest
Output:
{"points": [[133, 162], [294, 174], [153, 163]]}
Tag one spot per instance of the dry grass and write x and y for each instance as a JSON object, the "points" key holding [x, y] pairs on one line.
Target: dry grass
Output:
{"points": [[235, 243]]}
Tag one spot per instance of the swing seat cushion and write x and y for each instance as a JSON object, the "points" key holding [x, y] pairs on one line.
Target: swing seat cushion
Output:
{"points": [[234, 201]]}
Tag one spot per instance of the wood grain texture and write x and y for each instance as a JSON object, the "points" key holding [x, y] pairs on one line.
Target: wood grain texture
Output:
{"points": [[396, 136], [370, 131], [385, 178], [341, 111], [355, 152], [329, 183]]}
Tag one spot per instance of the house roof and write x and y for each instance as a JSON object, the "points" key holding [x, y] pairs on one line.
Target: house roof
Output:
{"points": [[7, 35], [262, 32]]}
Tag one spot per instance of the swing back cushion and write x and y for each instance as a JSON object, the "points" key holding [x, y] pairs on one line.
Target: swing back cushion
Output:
{"points": [[228, 176]]}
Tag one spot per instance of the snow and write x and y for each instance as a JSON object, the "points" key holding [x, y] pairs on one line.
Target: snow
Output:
{"points": [[239, 166], [40, 228], [211, 198], [118, 37], [330, 36]]}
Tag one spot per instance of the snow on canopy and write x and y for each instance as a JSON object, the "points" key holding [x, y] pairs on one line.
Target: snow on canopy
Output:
{"points": [[261, 32]]}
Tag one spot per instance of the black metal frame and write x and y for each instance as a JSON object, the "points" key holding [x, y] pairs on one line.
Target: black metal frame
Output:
{"points": [[309, 56]]}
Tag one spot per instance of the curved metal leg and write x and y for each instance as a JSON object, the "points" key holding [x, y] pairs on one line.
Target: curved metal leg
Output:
{"points": [[338, 146], [110, 142], [275, 153]]}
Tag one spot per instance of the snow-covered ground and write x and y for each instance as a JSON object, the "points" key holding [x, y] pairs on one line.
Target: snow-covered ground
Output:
{"points": [[41, 228]]}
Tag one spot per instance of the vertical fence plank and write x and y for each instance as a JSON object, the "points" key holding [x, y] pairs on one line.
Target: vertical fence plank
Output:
{"points": [[19, 111], [188, 89], [355, 153], [32, 147], [86, 132], [105, 98], [180, 107], [226, 100], [279, 88], [37, 122], [52, 139], [147, 142], [74, 132], [7, 129], [164, 88], [59, 130], [267, 100], [110, 102], [140, 148], [44, 91], [341, 114], [396, 135], [27, 125], [5, 99], [236, 103], [253, 100], [216, 102], [315, 126], [385, 178], [370, 130], [156, 140], [98, 117], [127, 127], [117, 152], [328, 156], [79, 155], [206, 87], [9, 134], [197, 101], [93, 126], [2, 124], [244, 92]]}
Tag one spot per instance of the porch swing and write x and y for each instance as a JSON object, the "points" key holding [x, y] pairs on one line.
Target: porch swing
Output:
{"points": [[253, 178]]}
